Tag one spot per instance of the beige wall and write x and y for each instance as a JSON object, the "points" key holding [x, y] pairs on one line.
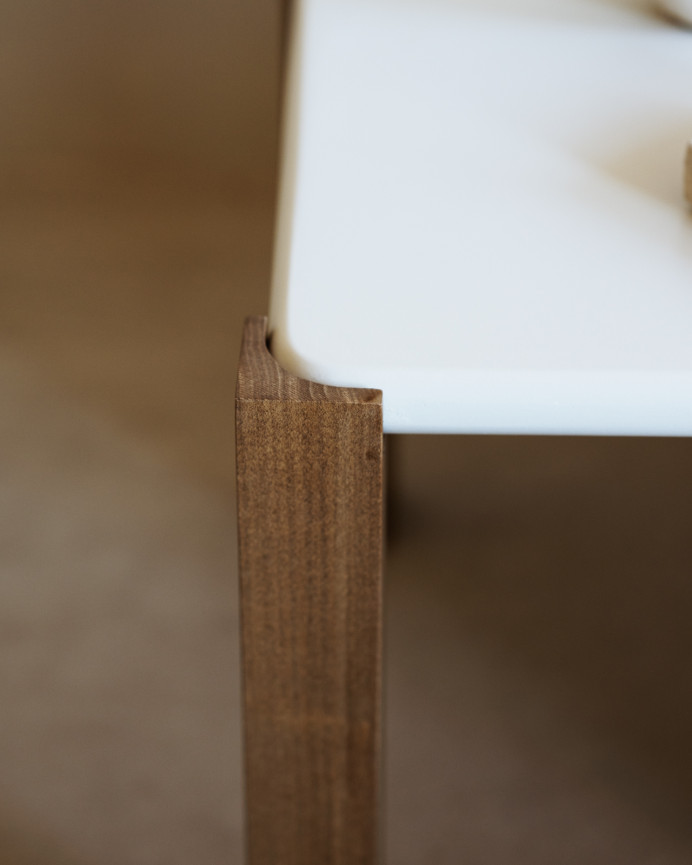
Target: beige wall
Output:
{"points": [[137, 176], [167, 92]]}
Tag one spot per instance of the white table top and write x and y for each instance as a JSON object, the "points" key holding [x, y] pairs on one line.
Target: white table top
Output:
{"points": [[481, 213]]}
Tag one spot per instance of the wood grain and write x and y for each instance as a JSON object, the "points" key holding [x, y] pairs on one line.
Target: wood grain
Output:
{"points": [[688, 173], [309, 468]]}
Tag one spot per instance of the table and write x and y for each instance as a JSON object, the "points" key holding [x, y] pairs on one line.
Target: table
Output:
{"points": [[480, 228]]}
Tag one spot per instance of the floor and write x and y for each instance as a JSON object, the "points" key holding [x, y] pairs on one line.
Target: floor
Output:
{"points": [[538, 595]]}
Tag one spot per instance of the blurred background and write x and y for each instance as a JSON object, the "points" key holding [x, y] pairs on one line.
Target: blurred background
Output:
{"points": [[538, 594]]}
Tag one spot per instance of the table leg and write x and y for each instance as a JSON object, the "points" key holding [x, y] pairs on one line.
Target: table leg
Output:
{"points": [[309, 469]]}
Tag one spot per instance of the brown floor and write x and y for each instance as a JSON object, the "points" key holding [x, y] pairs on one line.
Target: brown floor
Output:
{"points": [[538, 597]]}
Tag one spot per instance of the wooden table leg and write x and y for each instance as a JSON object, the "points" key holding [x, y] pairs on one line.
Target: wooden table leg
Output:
{"points": [[309, 467]]}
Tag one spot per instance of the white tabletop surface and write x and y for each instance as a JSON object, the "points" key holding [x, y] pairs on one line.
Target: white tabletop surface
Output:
{"points": [[481, 213]]}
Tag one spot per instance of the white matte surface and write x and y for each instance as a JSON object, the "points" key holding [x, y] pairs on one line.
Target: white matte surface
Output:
{"points": [[481, 213]]}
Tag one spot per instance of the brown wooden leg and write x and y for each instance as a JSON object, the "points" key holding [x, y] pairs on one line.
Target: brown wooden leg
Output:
{"points": [[309, 464]]}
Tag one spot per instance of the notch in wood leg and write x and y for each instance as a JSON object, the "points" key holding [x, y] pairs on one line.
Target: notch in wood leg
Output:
{"points": [[309, 469]]}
